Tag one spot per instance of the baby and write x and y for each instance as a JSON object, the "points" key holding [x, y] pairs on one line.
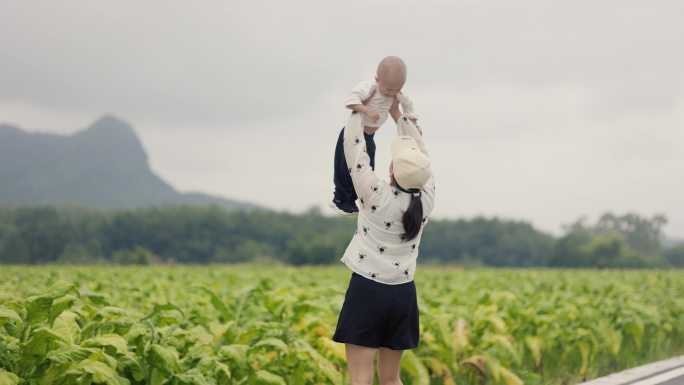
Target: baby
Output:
{"points": [[373, 99]]}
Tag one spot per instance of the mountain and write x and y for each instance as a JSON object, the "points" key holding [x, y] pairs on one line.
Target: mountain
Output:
{"points": [[102, 166]]}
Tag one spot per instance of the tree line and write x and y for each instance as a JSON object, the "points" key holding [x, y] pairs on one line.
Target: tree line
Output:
{"points": [[187, 234]]}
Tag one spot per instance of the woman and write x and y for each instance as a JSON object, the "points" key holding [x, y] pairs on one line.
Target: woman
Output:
{"points": [[380, 311]]}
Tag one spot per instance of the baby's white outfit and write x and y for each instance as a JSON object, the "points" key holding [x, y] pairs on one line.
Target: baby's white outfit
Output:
{"points": [[379, 102]]}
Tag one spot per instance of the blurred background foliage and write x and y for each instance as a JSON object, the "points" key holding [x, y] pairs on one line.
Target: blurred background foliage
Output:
{"points": [[186, 234]]}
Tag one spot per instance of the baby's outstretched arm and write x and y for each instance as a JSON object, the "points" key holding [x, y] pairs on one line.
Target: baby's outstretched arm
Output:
{"points": [[358, 98], [371, 114], [396, 113]]}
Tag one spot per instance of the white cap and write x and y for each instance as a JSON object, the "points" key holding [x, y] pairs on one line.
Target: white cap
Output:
{"points": [[411, 166]]}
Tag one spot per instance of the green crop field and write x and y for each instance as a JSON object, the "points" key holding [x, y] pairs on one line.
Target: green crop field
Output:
{"points": [[273, 325]]}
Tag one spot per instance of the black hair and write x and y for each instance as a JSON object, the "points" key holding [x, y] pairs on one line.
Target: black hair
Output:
{"points": [[413, 216]]}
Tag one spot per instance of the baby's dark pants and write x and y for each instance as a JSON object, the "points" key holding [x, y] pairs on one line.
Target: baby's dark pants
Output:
{"points": [[344, 188]]}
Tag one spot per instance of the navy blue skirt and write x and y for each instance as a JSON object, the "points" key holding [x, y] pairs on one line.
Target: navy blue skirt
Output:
{"points": [[377, 315]]}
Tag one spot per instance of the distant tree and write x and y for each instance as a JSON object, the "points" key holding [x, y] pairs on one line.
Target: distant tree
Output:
{"points": [[42, 233], [250, 249], [312, 251], [76, 253], [137, 256], [642, 234], [614, 241], [187, 234], [15, 250], [675, 255], [492, 242], [568, 249], [605, 250]]}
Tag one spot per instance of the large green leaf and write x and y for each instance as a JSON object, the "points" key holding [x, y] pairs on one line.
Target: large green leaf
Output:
{"points": [[115, 341], [7, 378], [130, 362], [412, 365], [191, 377], [635, 329], [38, 309], [69, 354], [9, 315], [54, 369], [267, 378], [270, 343], [41, 341], [165, 358], [234, 354], [99, 371], [38, 306], [534, 344], [215, 300], [509, 378], [66, 327], [59, 305], [323, 365]]}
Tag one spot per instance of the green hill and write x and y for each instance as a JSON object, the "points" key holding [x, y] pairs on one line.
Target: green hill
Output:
{"points": [[102, 166]]}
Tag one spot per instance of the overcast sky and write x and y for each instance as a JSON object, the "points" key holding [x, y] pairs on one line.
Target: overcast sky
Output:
{"points": [[532, 110]]}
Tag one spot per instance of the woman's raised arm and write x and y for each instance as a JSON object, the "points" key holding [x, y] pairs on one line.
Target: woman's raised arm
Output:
{"points": [[358, 162]]}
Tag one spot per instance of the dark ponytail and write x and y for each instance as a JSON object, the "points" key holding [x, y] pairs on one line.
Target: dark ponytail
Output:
{"points": [[413, 216]]}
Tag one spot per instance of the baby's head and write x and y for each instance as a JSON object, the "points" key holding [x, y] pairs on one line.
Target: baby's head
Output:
{"points": [[391, 75]]}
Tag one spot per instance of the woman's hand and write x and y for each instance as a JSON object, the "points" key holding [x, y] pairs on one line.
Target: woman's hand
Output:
{"points": [[395, 104], [394, 111]]}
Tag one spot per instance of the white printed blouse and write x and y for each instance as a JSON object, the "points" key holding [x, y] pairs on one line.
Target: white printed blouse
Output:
{"points": [[377, 250]]}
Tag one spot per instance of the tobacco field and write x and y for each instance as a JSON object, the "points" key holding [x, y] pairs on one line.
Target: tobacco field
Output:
{"points": [[251, 324]]}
